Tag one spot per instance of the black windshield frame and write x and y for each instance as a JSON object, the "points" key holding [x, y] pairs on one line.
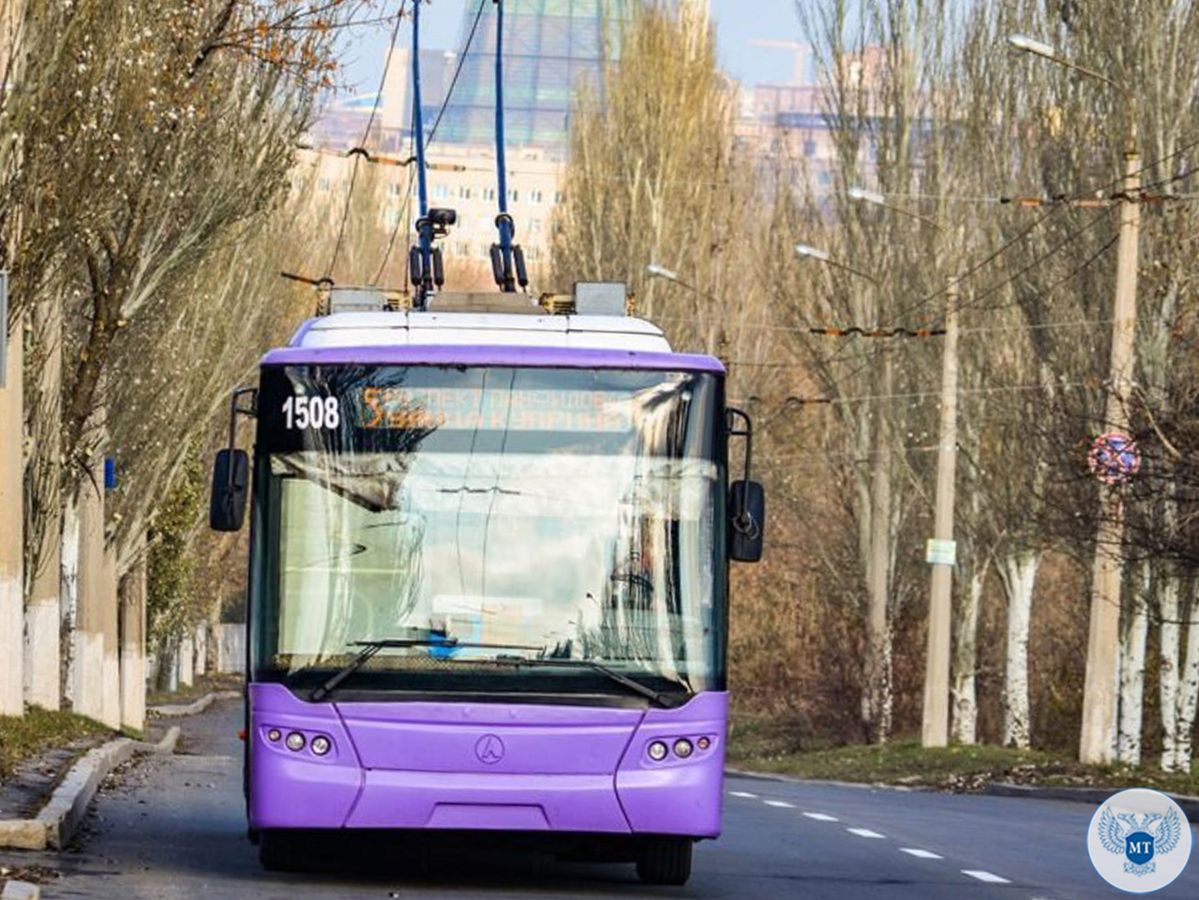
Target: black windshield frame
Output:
{"points": [[534, 684]]}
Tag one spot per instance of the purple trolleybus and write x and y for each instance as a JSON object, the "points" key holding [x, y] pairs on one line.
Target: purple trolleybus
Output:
{"points": [[489, 568]]}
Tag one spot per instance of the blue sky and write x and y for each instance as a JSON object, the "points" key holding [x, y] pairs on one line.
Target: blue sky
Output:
{"points": [[738, 23]]}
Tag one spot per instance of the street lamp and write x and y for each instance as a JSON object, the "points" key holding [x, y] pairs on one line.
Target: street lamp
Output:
{"points": [[877, 628], [1099, 693], [809, 252], [942, 550], [657, 271], [1026, 44], [874, 198]]}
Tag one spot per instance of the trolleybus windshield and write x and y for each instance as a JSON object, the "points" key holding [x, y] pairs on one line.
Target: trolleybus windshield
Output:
{"points": [[478, 517]]}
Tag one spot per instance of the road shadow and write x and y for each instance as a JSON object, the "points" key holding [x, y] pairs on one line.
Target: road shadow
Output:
{"points": [[475, 862]]}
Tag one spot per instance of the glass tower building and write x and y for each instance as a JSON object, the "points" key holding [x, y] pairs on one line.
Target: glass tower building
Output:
{"points": [[551, 48]]}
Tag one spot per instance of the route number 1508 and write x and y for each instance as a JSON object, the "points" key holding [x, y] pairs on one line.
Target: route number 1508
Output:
{"points": [[301, 413]]}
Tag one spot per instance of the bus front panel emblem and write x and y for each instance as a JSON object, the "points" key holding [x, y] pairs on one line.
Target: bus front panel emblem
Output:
{"points": [[489, 749]]}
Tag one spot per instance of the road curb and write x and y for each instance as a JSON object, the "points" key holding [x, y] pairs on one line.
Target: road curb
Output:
{"points": [[62, 815], [58, 820], [171, 710], [1091, 795], [1094, 796], [20, 890]]}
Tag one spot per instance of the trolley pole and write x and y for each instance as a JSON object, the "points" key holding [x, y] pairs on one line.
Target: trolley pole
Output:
{"points": [[1097, 741], [935, 730]]}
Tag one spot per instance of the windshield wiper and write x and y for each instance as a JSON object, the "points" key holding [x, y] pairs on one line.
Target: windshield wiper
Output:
{"points": [[657, 697], [371, 648]]}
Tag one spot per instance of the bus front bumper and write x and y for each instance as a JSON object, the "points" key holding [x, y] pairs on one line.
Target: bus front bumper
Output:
{"points": [[484, 767]]}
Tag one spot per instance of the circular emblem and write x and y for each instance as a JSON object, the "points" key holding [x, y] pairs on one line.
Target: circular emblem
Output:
{"points": [[1139, 841], [489, 749], [1114, 458]]}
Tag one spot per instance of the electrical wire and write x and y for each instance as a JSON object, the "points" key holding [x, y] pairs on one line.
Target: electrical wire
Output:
{"points": [[976, 329], [922, 395], [370, 124]]}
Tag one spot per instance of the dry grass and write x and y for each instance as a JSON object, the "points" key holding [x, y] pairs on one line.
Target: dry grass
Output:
{"points": [[24, 736], [760, 746]]}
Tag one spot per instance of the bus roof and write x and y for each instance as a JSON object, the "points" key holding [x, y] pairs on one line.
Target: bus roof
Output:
{"points": [[430, 338]]}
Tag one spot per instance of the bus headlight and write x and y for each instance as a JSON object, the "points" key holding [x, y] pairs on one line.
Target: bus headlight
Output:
{"points": [[321, 745], [295, 741], [274, 735], [683, 748], [657, 751]]}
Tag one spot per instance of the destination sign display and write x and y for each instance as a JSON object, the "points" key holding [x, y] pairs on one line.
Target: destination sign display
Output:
{"points": [[425, 409]]}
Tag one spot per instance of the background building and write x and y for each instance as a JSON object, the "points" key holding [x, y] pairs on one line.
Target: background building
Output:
{"points": [[552, 50]]}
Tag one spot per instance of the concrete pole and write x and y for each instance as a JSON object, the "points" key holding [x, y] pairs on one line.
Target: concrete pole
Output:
{"points": [[878, 621], [43, 678], [133, 646], [935, 731], [12, 523], [1097, 739]]}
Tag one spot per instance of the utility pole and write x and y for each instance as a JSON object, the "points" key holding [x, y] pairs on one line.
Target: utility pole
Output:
{"points": [[935, 731], [1097, 741]]}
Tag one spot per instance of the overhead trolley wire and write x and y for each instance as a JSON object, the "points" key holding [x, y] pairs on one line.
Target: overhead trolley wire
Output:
{"points": [[370, 124], [395, 231]]}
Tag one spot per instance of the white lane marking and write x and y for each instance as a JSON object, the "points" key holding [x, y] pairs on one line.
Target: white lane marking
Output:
{"points": [[821, 817], [746, 794], [983, 875], [781, 804], [920, 854], [864, 832]]}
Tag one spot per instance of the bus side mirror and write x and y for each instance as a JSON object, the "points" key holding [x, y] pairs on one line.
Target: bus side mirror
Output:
{"points": [[230, 483], [747, 498], [747, 503]]}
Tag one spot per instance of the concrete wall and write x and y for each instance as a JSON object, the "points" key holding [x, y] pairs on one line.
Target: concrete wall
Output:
{"points": [[201, 644], [12, 519], [187, 659]]}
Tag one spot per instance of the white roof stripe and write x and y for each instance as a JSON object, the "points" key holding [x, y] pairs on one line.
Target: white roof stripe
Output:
{"points": [[488, 329]]}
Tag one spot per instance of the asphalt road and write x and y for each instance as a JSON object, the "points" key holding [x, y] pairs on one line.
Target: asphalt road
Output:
{"points": [[173, 827]]}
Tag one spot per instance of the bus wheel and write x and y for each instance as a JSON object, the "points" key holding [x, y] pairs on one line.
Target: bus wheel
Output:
{"points": [[276, 852], [664, 861]]}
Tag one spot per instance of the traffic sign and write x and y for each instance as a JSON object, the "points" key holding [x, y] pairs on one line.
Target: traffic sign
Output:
{"points": [[941, 553], [1114, 458]]}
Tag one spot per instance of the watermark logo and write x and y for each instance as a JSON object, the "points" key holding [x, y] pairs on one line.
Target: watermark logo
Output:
{"points": [[1139, 841]]}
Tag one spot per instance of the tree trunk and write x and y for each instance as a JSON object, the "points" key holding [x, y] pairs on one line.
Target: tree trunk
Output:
{"points": [[12, 521], [1188, 692], [1018, 574], [167, 677], [43, 510], [1132, 669], [878, 621], [965, 660], [1167, 604], [69, 596]]}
